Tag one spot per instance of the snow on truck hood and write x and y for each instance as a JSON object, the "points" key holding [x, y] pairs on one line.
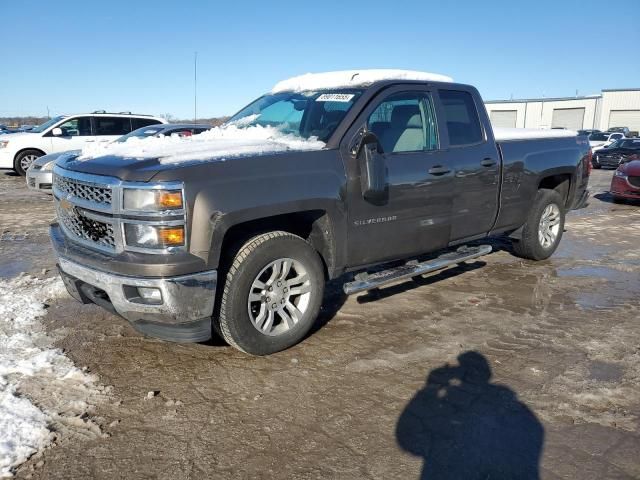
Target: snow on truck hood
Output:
{"points": [[352, 78], [222, 142]]}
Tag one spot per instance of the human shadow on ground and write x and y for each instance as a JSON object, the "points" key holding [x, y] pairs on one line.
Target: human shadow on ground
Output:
{"points": [[465, 427]]}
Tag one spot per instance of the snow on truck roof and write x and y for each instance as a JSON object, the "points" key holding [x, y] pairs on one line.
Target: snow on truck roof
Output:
{"points": [[352, 78]]}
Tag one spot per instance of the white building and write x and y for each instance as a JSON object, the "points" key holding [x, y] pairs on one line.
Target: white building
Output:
{"points": [[612, 108]]}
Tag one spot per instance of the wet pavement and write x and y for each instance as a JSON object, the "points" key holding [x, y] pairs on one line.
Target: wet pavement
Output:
{"points": [[500, 365]]}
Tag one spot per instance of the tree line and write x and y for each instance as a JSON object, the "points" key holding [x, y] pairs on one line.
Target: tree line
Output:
{"points": [[31, 120]]}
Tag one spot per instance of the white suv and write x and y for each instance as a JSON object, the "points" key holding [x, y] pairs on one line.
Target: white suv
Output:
{"points": [[67, 132]]}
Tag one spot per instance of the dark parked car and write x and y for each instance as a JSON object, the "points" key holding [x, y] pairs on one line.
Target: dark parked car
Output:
{"points": [[625, 184], [623, 150], [588, 132], [624, 130], [326, 174]]}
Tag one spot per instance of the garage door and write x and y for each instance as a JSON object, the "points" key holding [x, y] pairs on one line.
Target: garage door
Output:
{"points": [[504, 118], [571, 118], [625, 118]]}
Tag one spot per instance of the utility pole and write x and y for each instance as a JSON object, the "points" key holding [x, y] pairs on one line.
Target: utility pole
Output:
{"points": [[195, 87]]}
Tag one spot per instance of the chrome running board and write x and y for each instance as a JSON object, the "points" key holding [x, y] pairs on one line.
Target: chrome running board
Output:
{"points": [[365, 281]]}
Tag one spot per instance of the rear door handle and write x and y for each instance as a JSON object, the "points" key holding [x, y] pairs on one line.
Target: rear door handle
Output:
{"points": [[488, 162], [439, 170]]}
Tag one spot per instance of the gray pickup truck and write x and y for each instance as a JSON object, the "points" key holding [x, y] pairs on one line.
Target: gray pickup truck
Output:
{"points": [[237, 230]]}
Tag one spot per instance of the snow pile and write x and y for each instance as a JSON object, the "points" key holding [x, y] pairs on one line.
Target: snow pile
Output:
{"points": [[26, 355], [226, 141], [504, 134], [352, 78]]}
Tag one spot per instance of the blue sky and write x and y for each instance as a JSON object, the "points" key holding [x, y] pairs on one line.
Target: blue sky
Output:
{"points": [[75, 56]]}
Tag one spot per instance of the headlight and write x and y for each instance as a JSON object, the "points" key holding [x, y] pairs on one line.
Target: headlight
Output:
{"points": [[620, 173], [153, 236], [150, 200], [47, 167], [4, 143]]}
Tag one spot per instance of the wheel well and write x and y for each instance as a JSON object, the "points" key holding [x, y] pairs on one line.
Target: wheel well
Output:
{"points": [[24, 150], [312, 225], [560, 183]]}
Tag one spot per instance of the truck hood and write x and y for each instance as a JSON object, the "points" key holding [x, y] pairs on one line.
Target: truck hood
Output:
{"points": [[142, 159], [128, 169]]}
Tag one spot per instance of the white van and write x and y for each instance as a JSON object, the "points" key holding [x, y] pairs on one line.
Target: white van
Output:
{"points": [[67, 132]]}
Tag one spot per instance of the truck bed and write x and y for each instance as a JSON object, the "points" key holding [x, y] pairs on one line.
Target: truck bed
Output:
{"points": [[512, 134]]}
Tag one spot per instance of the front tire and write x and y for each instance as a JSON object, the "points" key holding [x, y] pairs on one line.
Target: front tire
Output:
{"points": [[272, 294], [543, 229], [24, 160]]}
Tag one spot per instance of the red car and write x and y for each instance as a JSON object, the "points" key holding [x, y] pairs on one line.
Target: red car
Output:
{"points": [[626, 181]]}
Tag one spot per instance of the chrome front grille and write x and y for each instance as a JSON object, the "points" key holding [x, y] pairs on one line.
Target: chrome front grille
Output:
{"points": [[75, 221], [91, 193], [90, 210]]}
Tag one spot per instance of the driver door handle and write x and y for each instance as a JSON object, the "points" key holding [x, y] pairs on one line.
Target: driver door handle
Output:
{"points": [[439, 170], [488, 162]]}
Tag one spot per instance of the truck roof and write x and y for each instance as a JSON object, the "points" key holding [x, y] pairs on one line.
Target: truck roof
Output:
{"points": [[353, 78]]}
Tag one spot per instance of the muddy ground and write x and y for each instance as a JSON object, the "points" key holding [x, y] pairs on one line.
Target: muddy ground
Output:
{"points": [[531, 366]]}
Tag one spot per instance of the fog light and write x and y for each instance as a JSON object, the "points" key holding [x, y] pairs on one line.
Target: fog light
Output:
{"points": [[150, 294]]}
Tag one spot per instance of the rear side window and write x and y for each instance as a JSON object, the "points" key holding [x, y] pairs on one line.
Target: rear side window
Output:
{"points": [[112, 125], [143, 122], [461, 116]]}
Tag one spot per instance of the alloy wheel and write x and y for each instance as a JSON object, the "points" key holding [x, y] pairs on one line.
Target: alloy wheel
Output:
{"points": [[279, 296]]}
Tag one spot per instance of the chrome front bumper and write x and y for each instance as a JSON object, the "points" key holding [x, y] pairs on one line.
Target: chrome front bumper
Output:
{"points": [[40, 180], [183, 314]]}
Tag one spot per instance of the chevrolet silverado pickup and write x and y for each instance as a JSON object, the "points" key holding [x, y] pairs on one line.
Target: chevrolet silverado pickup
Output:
{"points": [[379, 174]]}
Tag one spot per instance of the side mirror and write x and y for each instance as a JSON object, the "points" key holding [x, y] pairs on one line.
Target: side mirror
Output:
{"points": [[373, 170], [56, 132]]}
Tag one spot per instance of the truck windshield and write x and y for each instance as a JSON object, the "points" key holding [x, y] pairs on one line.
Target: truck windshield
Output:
{"points": [[41, 128], [305, 114]]}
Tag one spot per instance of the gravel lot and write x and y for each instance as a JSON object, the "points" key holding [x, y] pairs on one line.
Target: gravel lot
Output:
{"points": [[534, 367]]}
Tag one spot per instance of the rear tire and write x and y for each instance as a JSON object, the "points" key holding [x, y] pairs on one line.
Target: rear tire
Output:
{"points": [[272, 294], [543, 229], [24, 160]]}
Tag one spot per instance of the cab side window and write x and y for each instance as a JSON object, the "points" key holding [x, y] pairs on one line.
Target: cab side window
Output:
{"points": [[112, 125], [461, 115], [405, 122], [76, 127]]}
